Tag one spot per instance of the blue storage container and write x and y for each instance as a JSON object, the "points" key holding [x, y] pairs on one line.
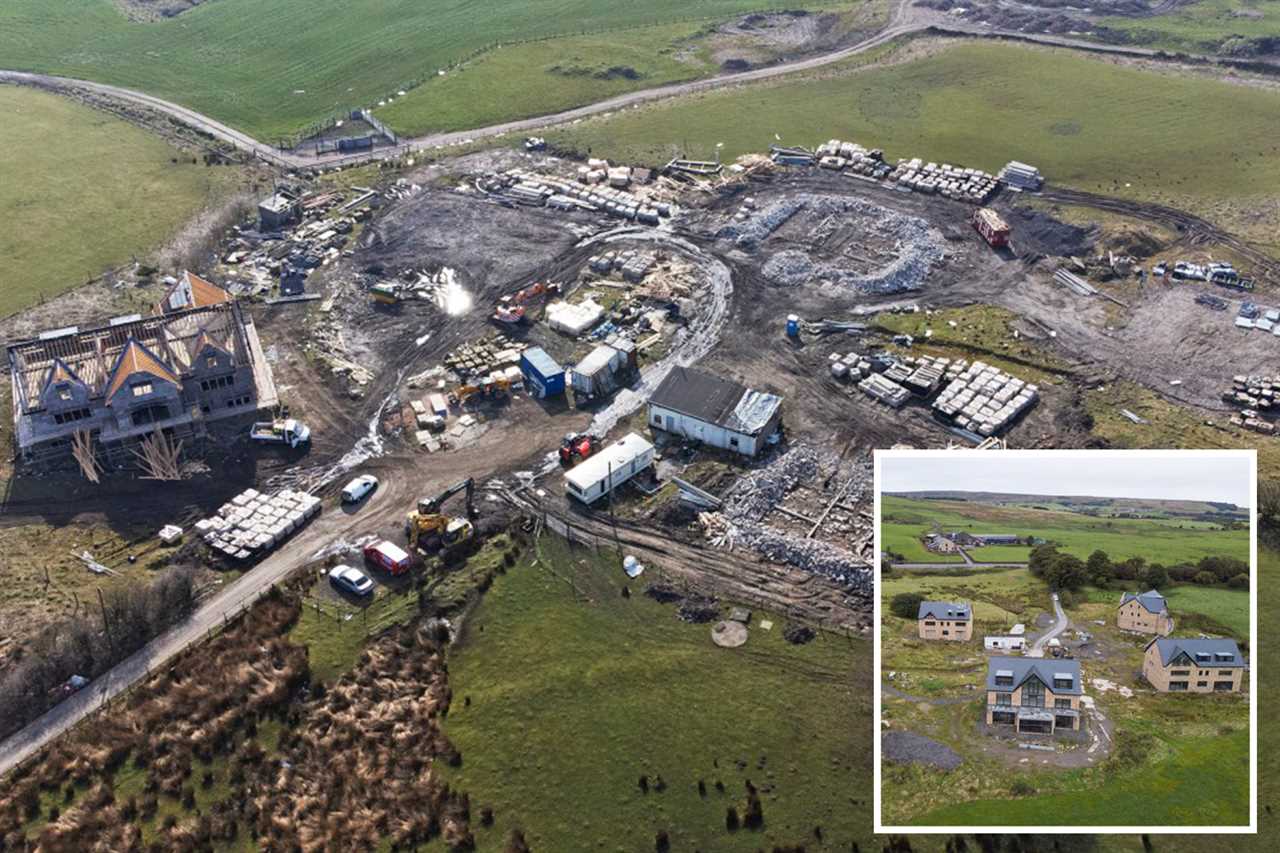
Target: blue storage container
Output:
{"points": [[542, 375]]}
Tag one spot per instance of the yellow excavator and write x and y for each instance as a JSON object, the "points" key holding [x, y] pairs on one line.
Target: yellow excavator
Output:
{"points": [[428, 530]]}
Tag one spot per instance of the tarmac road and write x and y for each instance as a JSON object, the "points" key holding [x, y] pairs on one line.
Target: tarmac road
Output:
{"points": [[905, 20], [1037, 648]]}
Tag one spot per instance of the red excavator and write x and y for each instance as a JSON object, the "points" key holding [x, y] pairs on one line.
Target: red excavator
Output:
{"points": [[576, 447]]}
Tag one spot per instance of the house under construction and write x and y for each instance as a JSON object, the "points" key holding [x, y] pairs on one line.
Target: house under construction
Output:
{"points": [[112, 389]]}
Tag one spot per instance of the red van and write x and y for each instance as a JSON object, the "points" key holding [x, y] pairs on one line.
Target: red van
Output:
{"points": [[389, 557]]}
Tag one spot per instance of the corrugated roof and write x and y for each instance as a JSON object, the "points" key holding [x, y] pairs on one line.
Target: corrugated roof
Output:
{"points": [[136, 358], [943, 610], [1171, 648], [716, 400], [1022, 669]]}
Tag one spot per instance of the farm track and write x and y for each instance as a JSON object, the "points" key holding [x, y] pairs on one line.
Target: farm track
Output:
{"points": [[1192, 230], [905, 21]]}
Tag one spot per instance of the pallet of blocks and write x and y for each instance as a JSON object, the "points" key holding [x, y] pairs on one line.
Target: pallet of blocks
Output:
{"points": [[984, 399], [252, 523]]}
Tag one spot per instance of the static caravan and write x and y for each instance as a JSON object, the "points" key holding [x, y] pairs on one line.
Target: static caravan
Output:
{"points": [[1004, 644], [608, 469]]}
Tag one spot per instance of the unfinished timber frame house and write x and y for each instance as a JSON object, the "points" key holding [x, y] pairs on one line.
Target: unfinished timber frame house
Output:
{"points": [[1033, 695], [196, 360]]}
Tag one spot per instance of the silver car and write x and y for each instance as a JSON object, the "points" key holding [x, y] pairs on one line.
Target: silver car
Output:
{"points": [[350, 579]]}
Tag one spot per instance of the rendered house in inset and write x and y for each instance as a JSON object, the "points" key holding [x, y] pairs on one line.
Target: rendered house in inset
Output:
{"points": [[944, 620], [1146, 612]]}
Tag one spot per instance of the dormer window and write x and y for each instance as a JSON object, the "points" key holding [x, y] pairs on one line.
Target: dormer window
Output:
{"points": [[211, 362], [64, 391], [142, 389]]}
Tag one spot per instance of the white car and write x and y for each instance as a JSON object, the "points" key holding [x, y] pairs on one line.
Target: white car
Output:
{"points": [[359, 488], [350, 580]]}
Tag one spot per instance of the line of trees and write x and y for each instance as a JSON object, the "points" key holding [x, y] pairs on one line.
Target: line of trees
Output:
{"points": [[1068, 572], [125, 620]]}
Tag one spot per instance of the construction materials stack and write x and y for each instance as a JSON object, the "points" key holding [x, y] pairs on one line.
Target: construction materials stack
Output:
{"points": [[955, 182], [985, 400], [253, 523], [588, 193], [1021, 176]]}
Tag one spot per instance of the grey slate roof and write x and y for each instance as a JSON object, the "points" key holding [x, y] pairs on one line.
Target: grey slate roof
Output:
{"points": [[1151, 601], [1171, 648], [944, 610], [1044, 669], [716, 400]]}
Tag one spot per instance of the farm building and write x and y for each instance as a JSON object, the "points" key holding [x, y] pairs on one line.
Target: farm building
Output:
{"points": [[998, 539], [605, 471], [1176, 665], [1146, 612], [696, 405], [940, 544], [542, 375], [177, 371], [944, 620], [1034, 695]]}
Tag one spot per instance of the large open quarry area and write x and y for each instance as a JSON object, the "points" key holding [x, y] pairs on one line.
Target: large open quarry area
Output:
{"points": [[440, 463]]}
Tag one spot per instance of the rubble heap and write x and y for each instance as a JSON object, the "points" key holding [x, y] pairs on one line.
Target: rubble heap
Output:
{"points": [[754, 496]]}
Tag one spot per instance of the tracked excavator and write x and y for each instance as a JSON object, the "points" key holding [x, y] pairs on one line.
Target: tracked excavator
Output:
{"points": [[430, 531]]}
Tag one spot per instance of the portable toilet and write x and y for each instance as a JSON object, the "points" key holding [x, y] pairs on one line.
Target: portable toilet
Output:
{"points": [[793, 326], [542, 375]]}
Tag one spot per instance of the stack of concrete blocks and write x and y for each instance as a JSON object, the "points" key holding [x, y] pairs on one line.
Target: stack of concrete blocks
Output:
{"points": [[839, 155], [849, 366], [890, 393], [927, 374], [251, 522], [984, 399], [1253, 392], [611, 200], [955, 182]]}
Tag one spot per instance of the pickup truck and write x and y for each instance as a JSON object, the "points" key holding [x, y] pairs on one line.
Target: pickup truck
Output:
{"points": [[281, 431]]}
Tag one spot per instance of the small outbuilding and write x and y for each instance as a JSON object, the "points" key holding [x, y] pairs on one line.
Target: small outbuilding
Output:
{"points": [[696, 405], [605, 471], [543, 376]]}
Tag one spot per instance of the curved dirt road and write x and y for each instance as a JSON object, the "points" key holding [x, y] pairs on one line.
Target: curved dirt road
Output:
{"points": [[904, 21]]}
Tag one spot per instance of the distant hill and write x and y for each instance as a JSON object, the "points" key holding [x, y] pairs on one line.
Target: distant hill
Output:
{"points": [[1091, 504]]}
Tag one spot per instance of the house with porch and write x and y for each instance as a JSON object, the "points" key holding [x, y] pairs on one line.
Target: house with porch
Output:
{"points": [[1178, 665], [1034, 696]]}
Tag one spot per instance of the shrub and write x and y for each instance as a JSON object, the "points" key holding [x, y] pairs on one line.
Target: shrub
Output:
{"points": [[1240, 581], [1205, 578], [906, 605], [1022, 788]]}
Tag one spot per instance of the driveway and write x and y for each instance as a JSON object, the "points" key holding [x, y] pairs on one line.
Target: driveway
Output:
{"points": [[1037, 648]]}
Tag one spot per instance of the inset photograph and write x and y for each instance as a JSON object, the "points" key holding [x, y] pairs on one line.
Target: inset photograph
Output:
{"points": [[1064, 641]]}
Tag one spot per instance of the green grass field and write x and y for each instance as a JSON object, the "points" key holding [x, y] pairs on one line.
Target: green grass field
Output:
{"points": [[1228, 607], [904, 539], [1084, 122], [82, 192], [273, 68], [1199, 784], [562, 702], [1154, 540], [1204, 26]]}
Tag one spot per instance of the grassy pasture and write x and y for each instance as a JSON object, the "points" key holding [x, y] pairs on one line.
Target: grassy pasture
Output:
{"points": [[1202, 26], [562, 702], [273, 68], [1084, 122], [82, 191], [1152, 539]]}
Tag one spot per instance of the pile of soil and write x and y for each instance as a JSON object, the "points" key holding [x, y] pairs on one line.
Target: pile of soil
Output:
{"points": [[699, 610], [662, 593], [1038, 232], [798, 635]]}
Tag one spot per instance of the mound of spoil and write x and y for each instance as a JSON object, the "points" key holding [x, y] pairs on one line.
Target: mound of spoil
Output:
{"points": [[699, 610], [662, 593], [908, 748], [798, 635]]}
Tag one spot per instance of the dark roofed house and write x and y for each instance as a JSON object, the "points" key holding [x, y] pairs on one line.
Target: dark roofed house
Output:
{"points": [[1146, 612], [1034, 695], [1178, 665], [694, 404], [944, 620], [999, 539]]}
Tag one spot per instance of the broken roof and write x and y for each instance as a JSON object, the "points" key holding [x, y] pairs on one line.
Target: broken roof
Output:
{"points": [[943, 610], [1151, 600], [1022, 669], [1220, 652], [716, 400]]}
